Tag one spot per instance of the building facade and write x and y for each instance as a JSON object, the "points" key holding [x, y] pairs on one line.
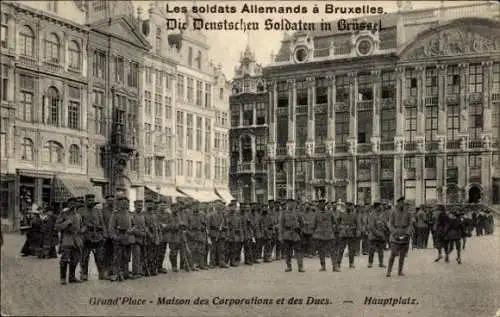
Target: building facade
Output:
{"points": [[248, 137], [411, 110]]}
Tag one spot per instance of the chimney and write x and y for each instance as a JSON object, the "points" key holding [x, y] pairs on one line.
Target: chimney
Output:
{"points": [[400, 26]]}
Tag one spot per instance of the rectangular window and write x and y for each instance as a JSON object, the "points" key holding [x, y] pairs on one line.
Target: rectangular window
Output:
{"points": [[180, 129], [475, 78], [388, 125], [208, 96], [4, 30], [341, 168], [431, 82], [158, 79], [133, 73], [99, 64], [198, 170], [431, 122], [148, 131], [410, 123], [168, 83], [475, 160], [261, 114], [365, 87], [430, 162], [321, 90], [25, 109], [147, 100], [475, 121], [342, 88], [208, 135], [98, 105], [4, 77], [180, 87], [208, 174], [453, 122], [365, 123], [320, 127], [409, 162], [168, 107], [453, 80], [496, 78], [199, 93], [411, 82], [388, 84], [158, 166], [248, 114], [149, 75], [189, 168], [451, 161], [180, 167], [199, 133], [168, 168], [158, 105], [190, 90], [119, 69], [74, 108], [235, 115], [189, 131], [341, 127]]}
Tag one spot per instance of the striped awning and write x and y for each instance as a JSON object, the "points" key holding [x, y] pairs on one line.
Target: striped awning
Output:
{"points": [[201, 195], [66, 186], [224, 194]]}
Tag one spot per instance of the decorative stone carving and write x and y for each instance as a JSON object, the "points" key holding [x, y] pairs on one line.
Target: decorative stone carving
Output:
{"points": [[310, 81], [486, 141], [398, 144], [465, 39], [330, 148], [271, 150], [310, 148], [441, 143], [463, 143], [353, 146], [420, 144], [375, 141], [290, 149]]}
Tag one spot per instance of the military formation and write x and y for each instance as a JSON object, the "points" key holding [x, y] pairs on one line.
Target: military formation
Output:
{"points": [[201, 236]]}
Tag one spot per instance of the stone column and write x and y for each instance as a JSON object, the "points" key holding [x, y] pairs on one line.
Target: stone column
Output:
{"points": [[487, 90], [330, 146], [486, 176], [271, 150], [375, 179], [242, 106], [442, 87], [353, 135], [37, 195], [400, 96], [310, 143], [252, 189], [420, 100], [376, 81], [292, 103], [398, 168], [419, 176], [464, 101], [441, 176], [254, 116]]}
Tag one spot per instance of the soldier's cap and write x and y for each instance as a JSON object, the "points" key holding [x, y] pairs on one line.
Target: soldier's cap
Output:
{"points": [[149, 200], [80, 198], [270, 201], [123, 198], [89, 196], [137, 202], [401, 199], [376, 204], [109, 196], [349, 204]]}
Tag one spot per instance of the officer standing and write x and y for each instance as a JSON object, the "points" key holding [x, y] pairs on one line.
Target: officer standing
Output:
{"points": [[420, 227], [236, 236], [291, 224], [376, 228], [93, 238], [152, 238], [276, 211], [164, 223], [323, 234], [308, 230], [259, 235], [439, 230], [107, 210], [139, 231], [400, 225], [217, 227], [267, 225], [348, 226], [248, 234], [120, 231], [196, 233], [69, 224]]}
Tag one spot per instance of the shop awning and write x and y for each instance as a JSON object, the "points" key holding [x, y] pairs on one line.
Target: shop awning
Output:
{"points": [[202, 195], [66, 186], [168, 192], [224, 194]]}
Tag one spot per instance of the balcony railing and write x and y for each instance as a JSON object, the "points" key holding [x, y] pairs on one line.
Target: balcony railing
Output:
{"points": [[364, 174], [453, 144], [411, 146], [365, 105], [386, 146], [280, 176], [475, 97], [260, 168], [431, 100], [28, 61], [281, 151], [364, 148], [52, 66], [321, 108], [300, 151], [410, 173], [246, 167], [320, 149], [302, 109], [341, 174], [431, 146], [388, 103], [124, 141], [452, 99], [342, 148], [475, 144], [160, 148], [387, 173], [282, 111], [495, 97]]}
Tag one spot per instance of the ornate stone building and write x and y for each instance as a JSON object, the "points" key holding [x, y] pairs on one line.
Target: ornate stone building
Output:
{"points": [[248, 137], [412, 109]]}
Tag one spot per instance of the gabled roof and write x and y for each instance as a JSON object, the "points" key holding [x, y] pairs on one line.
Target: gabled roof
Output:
{"points": [[123, 28]]}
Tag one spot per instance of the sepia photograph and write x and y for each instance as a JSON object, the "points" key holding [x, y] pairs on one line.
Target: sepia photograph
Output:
{"points": [[250, 158]]}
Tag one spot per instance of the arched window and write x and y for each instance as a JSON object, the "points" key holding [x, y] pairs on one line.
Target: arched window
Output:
{"points": [[52, 47], [52, 152], [27, 41], [53, 106], [190, 56], [74, 55], [198, 60], [27, 150], [74, 155]]}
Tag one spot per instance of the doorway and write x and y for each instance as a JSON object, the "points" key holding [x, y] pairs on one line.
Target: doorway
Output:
{"points": [[474, 194]]}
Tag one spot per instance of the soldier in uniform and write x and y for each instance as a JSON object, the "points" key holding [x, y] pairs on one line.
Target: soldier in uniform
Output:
{"points": [[454, 230], [197, 237], [291, 224], [439, 230], [267, 225], [363, 221], [348, 233], [176, 228], [69, 224], [248, 234], [187, 256], [139, 231], [93, 238], [323, 234], [308, 229], [164, 224], [217, 229], [107, 210], [400, 225], [205, 251], [376, 228], [420, 227], [120, 231], [259, 235], [152, 238], [276, 211], [236, 237]]}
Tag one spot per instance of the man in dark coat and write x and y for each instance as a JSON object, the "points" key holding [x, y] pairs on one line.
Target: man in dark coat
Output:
{"points": [[50, 235], [164, 219], [268, 233], [349, 233], [217, 229], [152, 238], [376, 228], [69, 224], [308, 230], [441, 219], [259, 234], [120, 231], [323, 235], [248, 234], [420, 227], [107, 210], [236, 233], [400, 225], [291, 224], [453, 233], [93, 238], [139, 231]]}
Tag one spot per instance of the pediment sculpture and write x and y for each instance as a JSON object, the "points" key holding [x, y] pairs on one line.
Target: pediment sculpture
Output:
{"points": [[290, 149], [330, 148], [487, 141], [271, 150], [375, 145], [457, 41], [310, 148]]}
